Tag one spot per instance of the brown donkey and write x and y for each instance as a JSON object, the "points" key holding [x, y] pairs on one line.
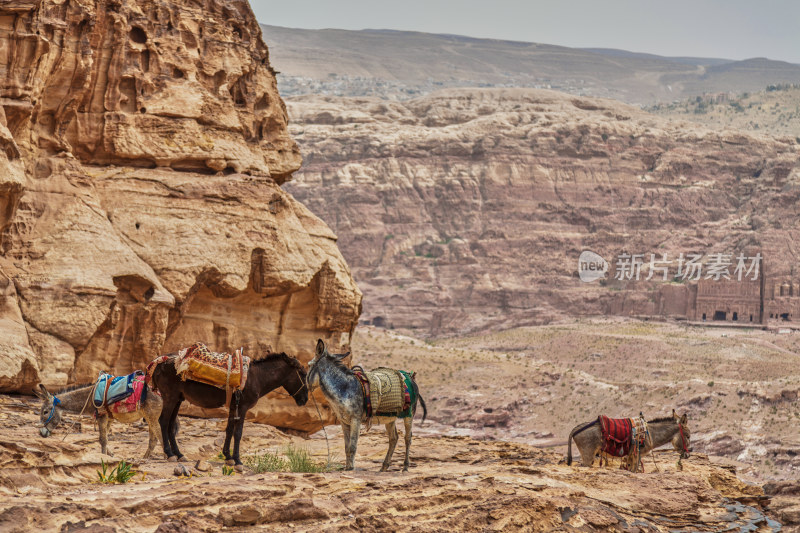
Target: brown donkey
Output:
{"points": [[265, 375]]}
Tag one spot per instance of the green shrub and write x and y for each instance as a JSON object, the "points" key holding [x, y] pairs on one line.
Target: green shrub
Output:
{"points": [[268, 462], [300, 460], [122, 473], [294, 460]]}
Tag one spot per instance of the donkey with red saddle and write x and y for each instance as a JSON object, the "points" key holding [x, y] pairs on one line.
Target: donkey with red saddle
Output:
{"points": [[210, 380], [126, 399], [629, 438]]}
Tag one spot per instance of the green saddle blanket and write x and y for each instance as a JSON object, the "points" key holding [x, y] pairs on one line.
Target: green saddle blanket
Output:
{"points": [[387, 392]]}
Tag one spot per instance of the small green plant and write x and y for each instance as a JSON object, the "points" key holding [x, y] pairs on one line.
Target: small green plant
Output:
{"points": [[710, 383], [268, 462], [227, 471], [300, 460], [122, 473], [294, 460]]}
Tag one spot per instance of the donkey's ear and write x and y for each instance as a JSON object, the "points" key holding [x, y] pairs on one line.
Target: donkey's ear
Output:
{"points": [[320, 347], [684, 418], [44, 394], [674, 414], [339, 356]]}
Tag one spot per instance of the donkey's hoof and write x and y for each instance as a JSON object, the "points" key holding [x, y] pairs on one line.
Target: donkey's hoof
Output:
{"points": [[183, 459], [239, 468], [172, 459], [230, 462]]}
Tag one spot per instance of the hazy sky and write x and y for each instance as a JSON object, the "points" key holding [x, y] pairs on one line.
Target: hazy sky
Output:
{"points": [[731, 29]]}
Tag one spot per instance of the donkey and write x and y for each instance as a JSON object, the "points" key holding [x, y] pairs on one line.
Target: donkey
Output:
{"points": [[265, 375], [589, 439], [77, 398], [343, 391]]}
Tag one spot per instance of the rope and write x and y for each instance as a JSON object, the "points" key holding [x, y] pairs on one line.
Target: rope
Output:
{"points": [[91, 393], [327, 444]]}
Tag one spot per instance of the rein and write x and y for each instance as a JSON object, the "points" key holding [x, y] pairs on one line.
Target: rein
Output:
{"points": [[91, 393], [327, 444]]}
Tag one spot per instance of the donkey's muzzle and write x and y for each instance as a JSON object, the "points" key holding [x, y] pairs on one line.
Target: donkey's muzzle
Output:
{"points": [[44, 432]]}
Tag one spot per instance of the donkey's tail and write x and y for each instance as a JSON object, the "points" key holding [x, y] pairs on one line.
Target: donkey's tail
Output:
{"points": [[421, 400], [572, 434]]}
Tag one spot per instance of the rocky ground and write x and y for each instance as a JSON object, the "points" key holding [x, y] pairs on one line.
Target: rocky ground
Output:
{"points": [[739, 387], [455, 483], [490, 456]]}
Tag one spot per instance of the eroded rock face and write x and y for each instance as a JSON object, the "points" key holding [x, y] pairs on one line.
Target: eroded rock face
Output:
{"points": [[142, 149], [180, 84], [467, 210]]}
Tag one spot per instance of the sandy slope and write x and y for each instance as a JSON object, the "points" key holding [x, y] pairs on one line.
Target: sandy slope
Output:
{"points": [[455, 483], [490, 457]]}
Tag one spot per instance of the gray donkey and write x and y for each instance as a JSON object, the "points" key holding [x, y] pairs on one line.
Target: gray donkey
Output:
{"points": [[77, 399], [589, 439], [343, 391]]}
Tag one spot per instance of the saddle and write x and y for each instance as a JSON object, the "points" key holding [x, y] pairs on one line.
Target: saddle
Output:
{"points": [[112, 389], [624, 437], [387, 392], [134, 401], [222, 370]]}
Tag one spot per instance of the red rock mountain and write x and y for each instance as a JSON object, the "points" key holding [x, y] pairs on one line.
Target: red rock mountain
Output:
{"points": [[142, 149], [467, 210]]}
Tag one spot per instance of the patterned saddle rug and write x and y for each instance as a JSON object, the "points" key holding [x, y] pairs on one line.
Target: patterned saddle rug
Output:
{"points": [[134, 401], [222, 370], [111, 389], [619, 434], [387, 392]]}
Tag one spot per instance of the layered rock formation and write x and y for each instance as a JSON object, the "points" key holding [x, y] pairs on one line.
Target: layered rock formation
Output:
{"points": [[468, 209], [143, 148], [454, 483]]}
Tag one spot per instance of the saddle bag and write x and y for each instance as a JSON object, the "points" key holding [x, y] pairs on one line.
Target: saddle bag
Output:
{"points": [[112, 389], [222, 370]]}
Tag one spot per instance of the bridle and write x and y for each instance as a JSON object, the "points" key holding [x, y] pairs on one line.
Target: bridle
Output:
{"points": [[56, 402], [683, 440], [304, 386]]}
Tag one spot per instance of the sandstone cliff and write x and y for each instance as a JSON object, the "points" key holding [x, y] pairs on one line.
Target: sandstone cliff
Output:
{"points": [[143, 145], [468, 209]]}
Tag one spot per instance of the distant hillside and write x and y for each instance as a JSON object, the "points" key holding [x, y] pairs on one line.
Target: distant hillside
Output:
{"points": [[400, 65], [774, 110]]}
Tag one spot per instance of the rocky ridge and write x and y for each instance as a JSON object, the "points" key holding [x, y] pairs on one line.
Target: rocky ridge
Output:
{"points": [[467, 210], [142, 149], [454, 483]]}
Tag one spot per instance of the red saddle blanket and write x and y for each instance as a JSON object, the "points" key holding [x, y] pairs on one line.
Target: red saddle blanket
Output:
{"points": [[134, 401], [617, 435]]}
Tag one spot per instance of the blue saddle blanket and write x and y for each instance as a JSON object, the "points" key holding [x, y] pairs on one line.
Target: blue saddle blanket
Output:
{"points": [[111, 389]]}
